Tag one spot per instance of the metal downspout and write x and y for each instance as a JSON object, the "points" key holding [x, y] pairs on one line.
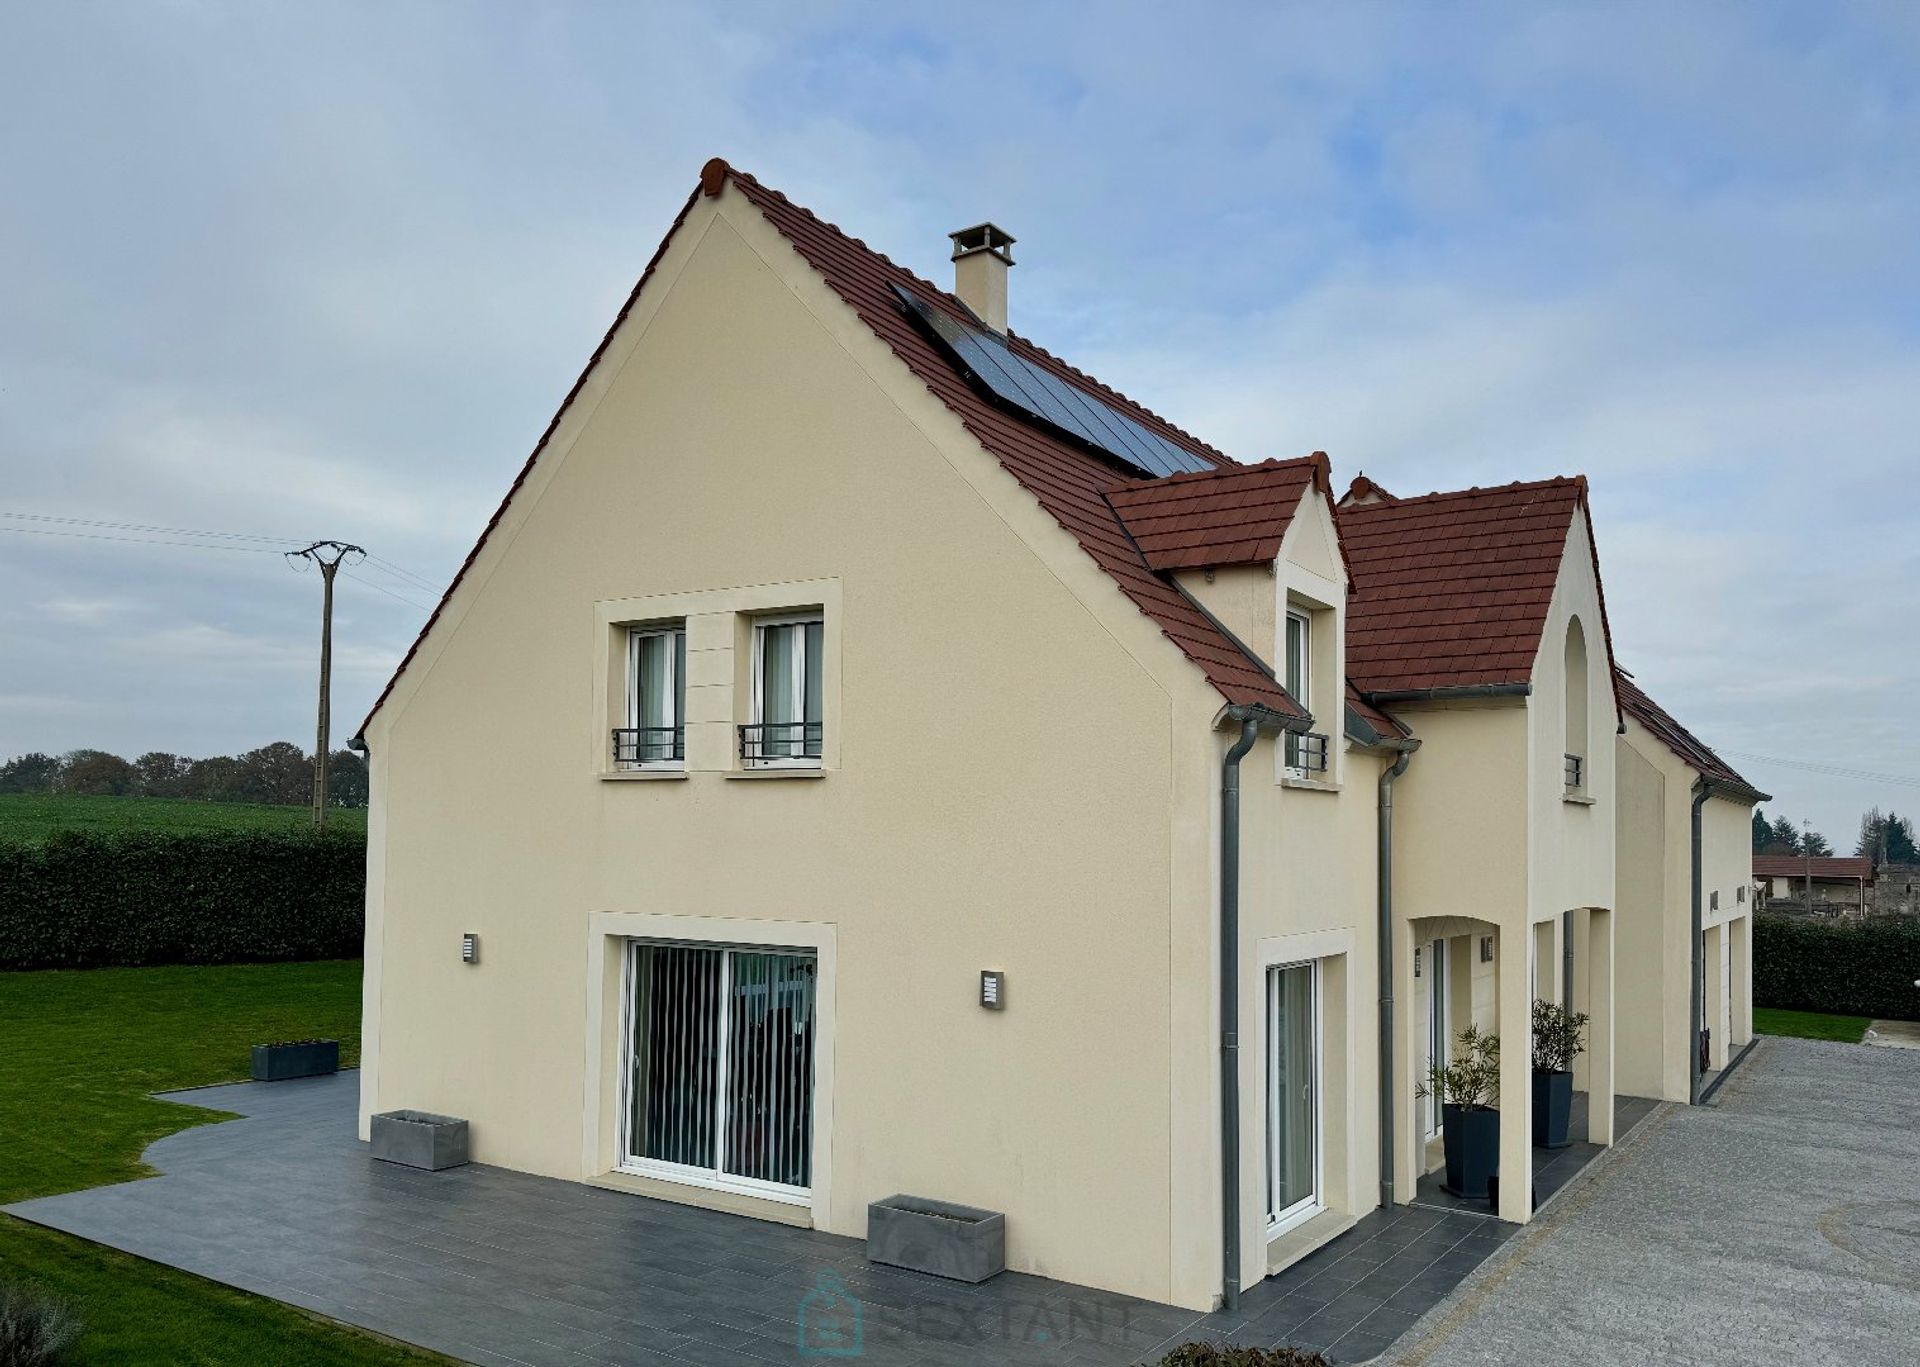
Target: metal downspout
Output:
{"points": [[1384, 840], [1230, 1012], [1697, 989], [1566, 959]]}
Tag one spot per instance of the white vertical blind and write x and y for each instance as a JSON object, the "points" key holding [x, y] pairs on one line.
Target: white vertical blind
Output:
{"points": [[721, 1063]]}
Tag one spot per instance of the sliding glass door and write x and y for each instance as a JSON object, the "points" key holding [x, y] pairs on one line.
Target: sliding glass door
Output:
{"points": [[719, 1077], [1293, 1096]]}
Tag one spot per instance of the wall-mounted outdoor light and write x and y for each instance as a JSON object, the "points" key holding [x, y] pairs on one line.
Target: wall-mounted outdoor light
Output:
{"points": [[993, 989], [469, 948], [1486, 949]]}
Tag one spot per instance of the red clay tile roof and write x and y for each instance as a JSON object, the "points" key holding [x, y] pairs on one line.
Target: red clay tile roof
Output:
{"points": [[1689, 747], [1233, 516], [1454, 587], [1364, 490], [1068, 482], [1383, 724], [1826, 866]]}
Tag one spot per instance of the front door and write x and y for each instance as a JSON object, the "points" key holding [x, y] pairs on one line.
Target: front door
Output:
{"points": [[1293, 1096]]}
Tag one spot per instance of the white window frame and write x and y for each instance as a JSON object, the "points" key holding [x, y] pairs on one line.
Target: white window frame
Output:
{"points": [[1297, 1214], [758, 713], [1305, 619], [675, 690], [715, 1178], [1439, 1028]]}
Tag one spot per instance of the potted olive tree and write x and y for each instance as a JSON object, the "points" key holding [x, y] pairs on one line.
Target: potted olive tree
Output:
{"points": [[1557, 1042], [1468, 1086]]}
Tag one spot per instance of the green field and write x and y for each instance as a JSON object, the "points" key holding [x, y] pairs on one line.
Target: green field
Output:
{"points": [[1769, 1020], [35, 817], [82, 1050]]}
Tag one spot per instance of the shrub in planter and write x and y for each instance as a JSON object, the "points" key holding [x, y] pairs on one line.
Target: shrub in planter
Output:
{"points": [[1236, 1355], [1557, 1042], [36, 1328], [1468, 1086]]}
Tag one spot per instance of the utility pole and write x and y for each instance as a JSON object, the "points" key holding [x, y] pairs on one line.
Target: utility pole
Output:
{"points": [[327, 555]]}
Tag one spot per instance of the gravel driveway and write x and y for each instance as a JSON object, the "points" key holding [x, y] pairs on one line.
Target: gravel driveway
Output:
{"points": [[1780, 1224]]}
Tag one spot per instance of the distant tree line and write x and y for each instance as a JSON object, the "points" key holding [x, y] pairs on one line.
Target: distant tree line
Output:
{"points": [[1885, 838], [280, 774]]}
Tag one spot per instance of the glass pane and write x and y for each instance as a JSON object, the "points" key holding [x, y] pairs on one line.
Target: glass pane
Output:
{"points": [[1297, 659], [672, 1096], [678, 738], [657, 683], [778, 712], [814, 667], [770, 1068], [1293, 1105]]}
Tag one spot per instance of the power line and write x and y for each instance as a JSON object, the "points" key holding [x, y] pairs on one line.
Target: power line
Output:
{"points": [[159, 535], [142, 540], [382, 588], [146, 527], [419, 580], [1832, 770]]}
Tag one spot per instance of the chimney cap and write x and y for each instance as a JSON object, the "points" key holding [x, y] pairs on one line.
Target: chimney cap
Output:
{"points": [[983, 237]]}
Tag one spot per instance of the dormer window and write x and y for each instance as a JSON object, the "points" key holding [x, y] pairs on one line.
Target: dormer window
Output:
{"points": [[655, 734], [1306, 754]]}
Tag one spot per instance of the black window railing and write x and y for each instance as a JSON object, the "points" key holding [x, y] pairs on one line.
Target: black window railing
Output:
{"points": [[774, 742], [1576, 773], [1307, 752], [636, 745]]}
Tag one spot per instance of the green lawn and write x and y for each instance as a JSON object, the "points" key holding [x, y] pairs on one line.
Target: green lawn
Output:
{"points": [[35, 817], [1768, 1020], [81, 1050]]}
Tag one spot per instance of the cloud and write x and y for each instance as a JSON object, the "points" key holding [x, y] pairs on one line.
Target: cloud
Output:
{"points": [[328, 271]]}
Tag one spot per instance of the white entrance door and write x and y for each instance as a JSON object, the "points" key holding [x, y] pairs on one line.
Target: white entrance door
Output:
{"points": [[1433, 975], [1293, 1096]]}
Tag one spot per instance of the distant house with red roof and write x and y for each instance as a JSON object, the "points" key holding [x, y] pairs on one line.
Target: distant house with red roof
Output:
{"points": [[878, 757], [1833, 885]]}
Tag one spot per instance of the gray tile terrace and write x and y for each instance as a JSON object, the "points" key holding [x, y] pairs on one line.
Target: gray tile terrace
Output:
{"points": [[502, 1267]]}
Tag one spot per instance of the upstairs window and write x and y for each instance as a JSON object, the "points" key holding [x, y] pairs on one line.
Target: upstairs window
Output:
{"points": [[1306, 754], [788, 655], [1299, 644], [655, 734], [1575, 669]]}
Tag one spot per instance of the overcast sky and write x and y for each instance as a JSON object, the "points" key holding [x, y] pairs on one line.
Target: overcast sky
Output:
{"points": [[326, 270]]}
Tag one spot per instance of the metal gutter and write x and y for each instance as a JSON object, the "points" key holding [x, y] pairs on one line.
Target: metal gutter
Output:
{"points": [[1500, 690], [1384, 840]]}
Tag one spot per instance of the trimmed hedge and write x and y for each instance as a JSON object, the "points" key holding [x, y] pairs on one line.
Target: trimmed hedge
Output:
{"points": [[1847, 968], [133, 898]]}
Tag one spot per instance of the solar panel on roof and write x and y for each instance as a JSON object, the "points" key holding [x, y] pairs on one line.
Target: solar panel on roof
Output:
{"points": [[1039, 393]]}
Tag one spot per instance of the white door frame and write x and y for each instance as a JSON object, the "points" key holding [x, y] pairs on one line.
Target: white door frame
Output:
{"points": [[1279, 1222], [715, 1178], [1434, 972]]}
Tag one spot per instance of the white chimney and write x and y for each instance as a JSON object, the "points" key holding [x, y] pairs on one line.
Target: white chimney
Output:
{"points": [[981, 256]]}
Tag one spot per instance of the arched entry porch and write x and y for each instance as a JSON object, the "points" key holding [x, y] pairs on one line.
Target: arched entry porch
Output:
{"points": [[1452, 971]]}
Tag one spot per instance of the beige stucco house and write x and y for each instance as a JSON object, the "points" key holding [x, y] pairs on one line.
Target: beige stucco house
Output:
{"points": [[871, 756], [1683, 849]]}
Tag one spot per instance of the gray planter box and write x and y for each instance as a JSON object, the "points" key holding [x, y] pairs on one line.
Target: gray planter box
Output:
{"points": [[961, 1242], [420, 1139], [299, 1058]]}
